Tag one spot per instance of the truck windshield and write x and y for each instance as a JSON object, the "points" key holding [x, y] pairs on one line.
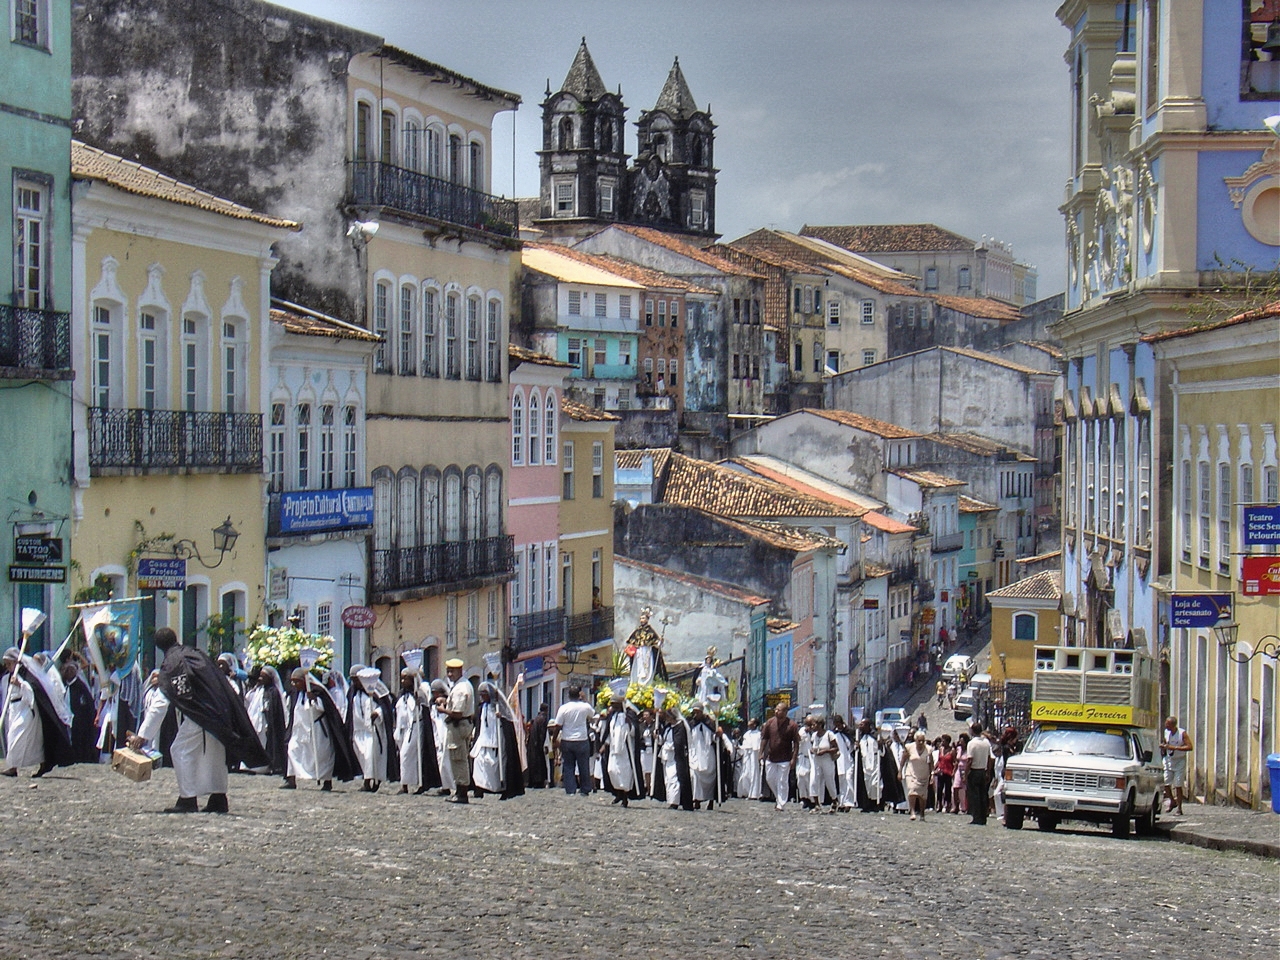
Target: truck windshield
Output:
{"points": [[1083, 743]]}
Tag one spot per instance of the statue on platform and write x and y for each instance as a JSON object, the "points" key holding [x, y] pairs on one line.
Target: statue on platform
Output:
{"points": [[710, 685], [644, 647]]}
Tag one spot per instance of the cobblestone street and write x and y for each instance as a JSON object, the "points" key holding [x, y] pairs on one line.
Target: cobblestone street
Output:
{"points": [[92, 869]]}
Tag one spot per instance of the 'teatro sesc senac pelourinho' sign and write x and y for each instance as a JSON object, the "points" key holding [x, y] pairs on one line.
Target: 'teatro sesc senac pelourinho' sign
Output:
{"points": [[314, 511]]}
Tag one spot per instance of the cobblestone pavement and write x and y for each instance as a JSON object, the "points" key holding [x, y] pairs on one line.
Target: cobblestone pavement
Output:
{"points": [[90, 868]]}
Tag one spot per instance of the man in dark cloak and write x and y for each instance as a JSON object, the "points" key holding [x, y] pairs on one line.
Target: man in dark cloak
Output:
{"points": [[84, 728], [56, 735], [214, 730], [265, 706], [311, 758], [536, 748], [673, 740], [415, 735], [620, 765]]}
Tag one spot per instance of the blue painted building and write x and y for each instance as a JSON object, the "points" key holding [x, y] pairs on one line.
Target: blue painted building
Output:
{"points": [[35, 323]]}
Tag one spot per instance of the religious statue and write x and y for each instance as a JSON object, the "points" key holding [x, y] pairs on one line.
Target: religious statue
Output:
{"points": [[710, 685], [644, 648]]}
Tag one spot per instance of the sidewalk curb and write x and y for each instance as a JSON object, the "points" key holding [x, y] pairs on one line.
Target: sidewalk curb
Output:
{"points": [[1179, 833]]}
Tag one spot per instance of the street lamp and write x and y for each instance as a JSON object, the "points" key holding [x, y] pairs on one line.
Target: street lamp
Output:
{"points": [[224, 540], [1004, 673], [1227, 634]]}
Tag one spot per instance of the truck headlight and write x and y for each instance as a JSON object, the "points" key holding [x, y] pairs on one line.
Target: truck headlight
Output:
{"points": [[1111, 783], [1016, 776]]}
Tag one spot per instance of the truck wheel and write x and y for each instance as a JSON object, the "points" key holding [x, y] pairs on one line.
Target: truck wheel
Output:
{"points": [[1145, 825], [1013, 816], [1120, 823], [1046, 823]]}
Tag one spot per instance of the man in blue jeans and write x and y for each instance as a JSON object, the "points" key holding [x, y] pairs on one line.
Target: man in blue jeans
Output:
{"points": [[571, 729]]}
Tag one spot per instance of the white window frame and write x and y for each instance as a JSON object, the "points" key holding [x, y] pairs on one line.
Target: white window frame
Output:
{"points": [[31, 242], [868, 315]]}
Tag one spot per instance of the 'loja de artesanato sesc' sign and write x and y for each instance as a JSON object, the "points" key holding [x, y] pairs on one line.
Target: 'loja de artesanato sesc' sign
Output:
{"points": [[315, 511]]}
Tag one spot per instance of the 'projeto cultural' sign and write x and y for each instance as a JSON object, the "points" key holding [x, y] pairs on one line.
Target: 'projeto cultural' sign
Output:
{"points": [[314, 511]]}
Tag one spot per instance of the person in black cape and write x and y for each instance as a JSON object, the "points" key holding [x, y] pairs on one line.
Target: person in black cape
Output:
{"points": [[57, 736], [536, 748], [84, 732], [413, 707], [210, 710], [619, 707], [264, 696], [330, 726], [673, 732]]}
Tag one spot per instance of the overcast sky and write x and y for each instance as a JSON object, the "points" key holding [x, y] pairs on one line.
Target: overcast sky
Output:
{"points": [[951, 112]]}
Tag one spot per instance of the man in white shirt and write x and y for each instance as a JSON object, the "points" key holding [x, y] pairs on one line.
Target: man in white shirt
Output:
{"points": [[981, 763], [570, 728]]}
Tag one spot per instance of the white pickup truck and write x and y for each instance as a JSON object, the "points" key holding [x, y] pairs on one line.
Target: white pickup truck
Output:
{"points": [[1102, 773]]}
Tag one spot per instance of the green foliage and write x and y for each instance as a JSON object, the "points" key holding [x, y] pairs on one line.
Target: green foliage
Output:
{"points": [[161, 542], [220, 630], [96, 592]]}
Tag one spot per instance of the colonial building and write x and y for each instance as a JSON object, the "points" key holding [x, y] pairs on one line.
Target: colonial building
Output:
{"points": [[943, 262], [35, 329], [1170, 208], [586, 181], [1225, 382], [170, 320], [319, 503], [387, 159], [725, 360]]}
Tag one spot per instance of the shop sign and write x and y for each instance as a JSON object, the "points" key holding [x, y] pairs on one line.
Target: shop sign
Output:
{"points": [[1194, 610], [38, 550], [1261, 576], [1262, 526], [162, 574], [37, 574], [358, 618], [315, 511]]}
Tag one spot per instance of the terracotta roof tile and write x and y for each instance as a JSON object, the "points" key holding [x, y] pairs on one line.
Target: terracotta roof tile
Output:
{"points": [[1054, 350], [90, 163], [1249, 316], [528, 356], [582, 413], [889, 431], [890, 237], [853, 508], [974, 505], [872, 570], [718, 587], [929, 479], [778, 625], [886, 524], [731, 493], [686, 249], [782, 536], [983, 307], [309, 323], [634, 459], [991, 358], [980, 446], [1041, 586]]}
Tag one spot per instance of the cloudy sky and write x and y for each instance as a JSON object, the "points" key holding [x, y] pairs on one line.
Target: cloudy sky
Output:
{"points": [[952, 112]]}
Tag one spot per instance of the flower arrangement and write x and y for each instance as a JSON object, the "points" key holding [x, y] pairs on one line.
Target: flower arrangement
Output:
{"points": [[641, 696], [282, 646]]}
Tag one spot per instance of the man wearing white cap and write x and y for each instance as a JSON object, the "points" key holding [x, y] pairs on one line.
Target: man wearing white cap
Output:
{"points": [[458, 708]]}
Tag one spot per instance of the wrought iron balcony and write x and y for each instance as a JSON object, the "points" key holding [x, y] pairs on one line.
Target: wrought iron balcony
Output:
{"points": [[924, 591], [174, 439], [374, 183], [438, 564], [584, 629], [942, 542], [532, 631], [36, 340], [902, 574]]}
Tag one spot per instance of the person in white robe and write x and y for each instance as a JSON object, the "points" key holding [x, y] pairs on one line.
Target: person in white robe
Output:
{"points": [[869, 765], [337, 687], [439, 719], [804, 764], [846, 781], [750, 768], [486, 752], [311, 752], [823, 750], [409, 734], [621, 749], [255, 701], [24, 733], [199, 759], [704, 758], [368, 728]]}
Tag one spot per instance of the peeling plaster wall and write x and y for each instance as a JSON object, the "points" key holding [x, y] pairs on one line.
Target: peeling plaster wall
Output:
{"points": [[241, 98], [839, 453]]}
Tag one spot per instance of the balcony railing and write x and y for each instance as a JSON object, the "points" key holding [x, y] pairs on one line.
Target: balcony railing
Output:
{"points": [[924, 591], [532, 631], [902, 574], [34, 339], [141, 439], [584, 629], [440, 563], [943, 542], [374, 183]]}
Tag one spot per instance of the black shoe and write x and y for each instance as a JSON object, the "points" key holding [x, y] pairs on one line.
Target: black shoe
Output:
{"points": [[11, 772], [624, 802], [327, 786], [43, 769], [217, 803], [617, 800], [184, 805], [290, 783], [459, 797], [420, 791]]}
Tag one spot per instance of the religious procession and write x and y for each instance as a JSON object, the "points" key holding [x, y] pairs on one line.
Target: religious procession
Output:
{"points": [[283, 710]]}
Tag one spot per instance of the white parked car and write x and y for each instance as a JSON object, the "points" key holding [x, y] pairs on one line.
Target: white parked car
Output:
{"points": [[957, 664], [893, 717]]}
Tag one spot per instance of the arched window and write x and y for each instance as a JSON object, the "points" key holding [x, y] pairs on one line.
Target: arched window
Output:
{"points": [[430, 505], [435, 146], [492, 337], [476, 164], [473, 338], [405, 354], [387, 140], [453, 505], [517, 430], [473, 505], [550, 413], [455, 158], [302, 445], [430, 351], [382, 508], [412, 153], [350, 445], [493, 502], [406, 525], [1024, 626], [535, 424], [381, 321], [453, 368]]}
